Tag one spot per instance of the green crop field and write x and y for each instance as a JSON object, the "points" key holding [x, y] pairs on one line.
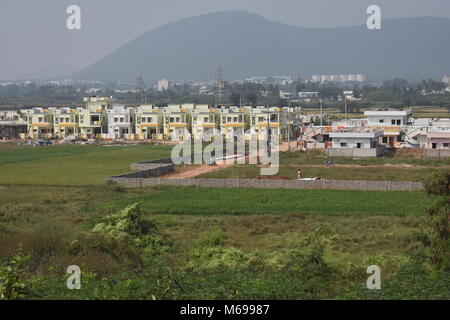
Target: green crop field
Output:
{"points": [[71, 165], [204, 243], [330, 173], [229, 201]]}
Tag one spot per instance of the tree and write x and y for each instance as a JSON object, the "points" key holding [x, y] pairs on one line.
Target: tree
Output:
{"points": [[252, 98], [235, 99]]}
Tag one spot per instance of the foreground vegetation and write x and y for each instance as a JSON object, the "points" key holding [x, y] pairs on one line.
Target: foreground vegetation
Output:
{"points": [[72, 165], [204, 243], [179, 249]]}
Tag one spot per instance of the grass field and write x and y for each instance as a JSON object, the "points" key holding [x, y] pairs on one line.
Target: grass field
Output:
{"points": [[404, 165], [71, 165], [211, 201], [330, 173], [203, 243]]}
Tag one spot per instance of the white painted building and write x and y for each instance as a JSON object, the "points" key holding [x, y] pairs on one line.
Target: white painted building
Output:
{"points": [[355, 139], [387, 118], [120, 121], [392, 123], [205, 122], [163, 85], [356, 144]]}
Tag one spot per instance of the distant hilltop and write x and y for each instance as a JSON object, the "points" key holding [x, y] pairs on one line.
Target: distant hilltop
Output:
{"points": [[246, 44]]}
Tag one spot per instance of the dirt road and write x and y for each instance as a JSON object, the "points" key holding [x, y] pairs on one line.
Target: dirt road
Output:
{"points": [[194, 171]]}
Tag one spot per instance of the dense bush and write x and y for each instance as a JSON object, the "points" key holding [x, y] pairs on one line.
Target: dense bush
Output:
{"points": [[12, 274], [438, 183]]}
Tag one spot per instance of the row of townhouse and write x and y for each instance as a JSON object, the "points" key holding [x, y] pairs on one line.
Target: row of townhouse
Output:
{"points": [[101, 118], [378, 130]]}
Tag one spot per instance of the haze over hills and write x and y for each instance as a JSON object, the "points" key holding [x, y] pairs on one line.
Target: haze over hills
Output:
{"points": [[246, 44]]}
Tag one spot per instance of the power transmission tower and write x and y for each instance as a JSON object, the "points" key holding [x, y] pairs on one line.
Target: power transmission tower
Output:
{"points": [[220, 85], [140, 90]]}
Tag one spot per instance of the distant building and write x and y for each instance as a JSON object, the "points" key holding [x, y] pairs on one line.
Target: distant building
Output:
{"points": [[339, 78], [355, 144], [438, 140], [446, 80], [148, 122], [349, 95], [391, 122], [387, 118], [163, 85], [120, 122], [308, 96]]}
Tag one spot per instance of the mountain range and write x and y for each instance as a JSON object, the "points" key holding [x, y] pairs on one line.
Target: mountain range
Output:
{"points": [[245, 44]]}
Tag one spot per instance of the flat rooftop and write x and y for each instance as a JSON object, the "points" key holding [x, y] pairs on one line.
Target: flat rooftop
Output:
{"points": [[438, 135], [388, 113], [356, 134]]}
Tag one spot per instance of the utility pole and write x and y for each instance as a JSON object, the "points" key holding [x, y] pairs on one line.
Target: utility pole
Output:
{"points": [[288, 126], [321, 116], [269, 152], [345, 101], [220, 86], [140, 89]]}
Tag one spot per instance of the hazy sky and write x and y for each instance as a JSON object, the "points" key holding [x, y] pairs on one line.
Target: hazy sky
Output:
{"points": [[34, 36]]}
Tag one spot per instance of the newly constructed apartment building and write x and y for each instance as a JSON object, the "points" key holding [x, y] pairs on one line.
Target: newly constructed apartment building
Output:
{"points": [[101, 118]]}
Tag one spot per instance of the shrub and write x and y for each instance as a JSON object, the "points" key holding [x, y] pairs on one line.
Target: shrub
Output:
{"points": [[12, 273], [129, 225], [438, 183], [213, 239], [126, 223]]}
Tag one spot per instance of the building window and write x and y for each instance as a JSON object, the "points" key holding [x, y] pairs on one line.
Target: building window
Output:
{"points": [[399, 122], [381, 120], [343, 144], [445, 145], [393, 122]]}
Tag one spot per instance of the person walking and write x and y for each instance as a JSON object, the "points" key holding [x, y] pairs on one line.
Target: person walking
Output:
{"points": [[299, 174]]}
